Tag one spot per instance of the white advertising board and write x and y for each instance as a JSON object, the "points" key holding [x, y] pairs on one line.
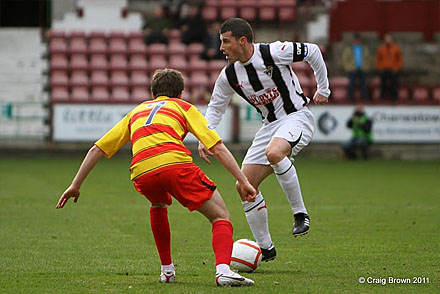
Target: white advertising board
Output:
{"points": [[391, 124], [88, 122]]}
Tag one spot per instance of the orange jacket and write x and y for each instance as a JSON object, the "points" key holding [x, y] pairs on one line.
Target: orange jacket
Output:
{"points": [[389, 57]]}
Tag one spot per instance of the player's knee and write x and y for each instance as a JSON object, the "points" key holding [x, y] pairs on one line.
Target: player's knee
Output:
{"points": [[274, 156]]}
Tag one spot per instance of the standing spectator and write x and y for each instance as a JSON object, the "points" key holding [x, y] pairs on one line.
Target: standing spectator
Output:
{"points": [[212, 43], [361, 139], [389, 62], [356, 59], [193, 26], [156, 27]]}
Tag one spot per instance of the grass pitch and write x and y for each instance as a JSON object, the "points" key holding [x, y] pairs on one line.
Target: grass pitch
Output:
{"points": [[374, 219]]}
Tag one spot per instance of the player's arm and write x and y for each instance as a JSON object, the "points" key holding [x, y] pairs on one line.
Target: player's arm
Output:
{"points": [[221, 96], [86, 167], [222, 153]]}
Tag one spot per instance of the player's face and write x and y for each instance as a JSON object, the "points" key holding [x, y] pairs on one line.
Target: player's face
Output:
{"points": [[231, 47]]}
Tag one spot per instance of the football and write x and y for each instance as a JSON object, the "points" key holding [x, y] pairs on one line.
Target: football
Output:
{"points": [[246, 255]]}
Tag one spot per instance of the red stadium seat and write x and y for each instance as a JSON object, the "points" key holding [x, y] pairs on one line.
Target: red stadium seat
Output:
{"points": [[98, 62], [338, 86], [139, 94], [136, 35], [59, 78], [403, 95], [198, 65], [100, 94], [58, 46], [78, 62], [156, 49], [267, 11], [286, 10], [118, 78], [139, 78], [156, 63], [199, 80], [248, 9], [228, 8], [79, 79], [175, 49], [117, 46], [78, 46], [120, 94], [421, 94], [175, 36], [97, 46], [56, 35], [216, 66], [117, 35], [195, 49], [209, 13], [98, 78], [138, 62], [77, 35], [97, 35], [118, 62], [436, 94], [136, 47], [79, 94], [59, 94], [58, 62], [302, 68], [178, 62]]}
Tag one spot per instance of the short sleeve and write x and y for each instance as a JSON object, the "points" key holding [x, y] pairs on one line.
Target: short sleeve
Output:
{"points": [[114, 139], [199, 126]]}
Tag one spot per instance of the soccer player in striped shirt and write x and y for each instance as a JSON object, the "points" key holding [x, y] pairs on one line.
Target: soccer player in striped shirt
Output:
{"points": [[162, 167], [262, 75]]}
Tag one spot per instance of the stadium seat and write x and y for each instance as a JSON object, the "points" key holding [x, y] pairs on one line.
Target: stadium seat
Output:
{"points": [[58, 46], [138, 62], [100, 94], [267, 10], [195, 49], [178, 62], [117, 46], [139, 94], [118, 78], [117, 35], [97, 46], [403, 95], [120, 94], [79, 79], [59, 94], [98, 78], [97, 35], [338, 86], [156, 49], [59, 78], [79, 94], [302, 68], [420, 94], [76, 34], [286, 10], [156, 63], [118, 62], [228, 9], [78, 46], [139, 78], [248, 9], [198, 80], [56, 35], [187, 96], [209, 13], [136, 35], [98, 62], [136, 46], [58, 62], [216, 66], [78, 62], [197, 65], [436, 94], [175, 49], [175, 36]]}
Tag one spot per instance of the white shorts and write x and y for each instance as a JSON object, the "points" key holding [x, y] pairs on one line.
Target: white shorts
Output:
{"points": [[297, 128]]}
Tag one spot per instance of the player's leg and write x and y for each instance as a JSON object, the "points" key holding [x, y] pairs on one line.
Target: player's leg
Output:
{"points": [[256, 212], [289, 139], [214, 209], [150, 187]]}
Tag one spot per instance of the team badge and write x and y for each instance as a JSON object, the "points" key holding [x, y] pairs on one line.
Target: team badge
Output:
{"points": [[268, 70]]}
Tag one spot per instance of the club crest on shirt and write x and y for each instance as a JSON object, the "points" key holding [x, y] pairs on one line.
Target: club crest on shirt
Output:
{"points": [[210, 127], [268, 70]]}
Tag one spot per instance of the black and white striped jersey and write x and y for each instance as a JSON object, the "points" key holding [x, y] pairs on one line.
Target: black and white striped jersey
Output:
{"points": [[267, 81]]}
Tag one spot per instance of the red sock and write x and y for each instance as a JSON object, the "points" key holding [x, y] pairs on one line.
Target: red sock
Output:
{"points": [[161, 232], [222, 241]]}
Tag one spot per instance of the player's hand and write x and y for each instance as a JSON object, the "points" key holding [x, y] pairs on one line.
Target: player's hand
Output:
{"points": [[247, 191], [319, 99], [204, 153], [70, 192]]}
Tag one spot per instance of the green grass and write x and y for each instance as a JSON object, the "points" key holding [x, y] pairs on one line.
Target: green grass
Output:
{"points": [[374, 219]]}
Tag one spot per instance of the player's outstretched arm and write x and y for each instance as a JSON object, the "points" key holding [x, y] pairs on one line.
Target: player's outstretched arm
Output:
{"points": [[222, 153], [87, 165]]}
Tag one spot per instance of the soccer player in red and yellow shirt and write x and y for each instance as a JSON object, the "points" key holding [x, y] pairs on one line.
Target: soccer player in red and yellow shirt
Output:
{"points": [[162, 167]]}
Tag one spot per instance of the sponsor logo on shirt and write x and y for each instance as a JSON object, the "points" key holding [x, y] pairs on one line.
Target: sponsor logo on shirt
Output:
{"points": [[268, 96]]}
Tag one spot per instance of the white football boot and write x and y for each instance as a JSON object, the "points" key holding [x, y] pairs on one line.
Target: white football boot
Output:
{"points": [[167, 277], [232, 280]]}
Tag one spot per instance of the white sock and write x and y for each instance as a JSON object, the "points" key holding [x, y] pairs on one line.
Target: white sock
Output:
{"points": [[288, 179], [223, 268], [256, 215], [167, 268]]}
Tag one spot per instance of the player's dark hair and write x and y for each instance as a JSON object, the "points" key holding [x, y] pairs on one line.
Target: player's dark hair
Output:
{"points": [[167, 82], [238, 28]]}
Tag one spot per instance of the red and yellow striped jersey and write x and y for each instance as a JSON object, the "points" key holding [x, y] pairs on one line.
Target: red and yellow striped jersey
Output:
{"points": [[156, 130]]}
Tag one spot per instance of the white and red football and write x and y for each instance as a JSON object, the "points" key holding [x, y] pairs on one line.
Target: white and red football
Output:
{"points": [[246, 255]]}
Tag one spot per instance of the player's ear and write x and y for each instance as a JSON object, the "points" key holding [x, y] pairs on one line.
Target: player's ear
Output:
{"points": [[242, 40]]}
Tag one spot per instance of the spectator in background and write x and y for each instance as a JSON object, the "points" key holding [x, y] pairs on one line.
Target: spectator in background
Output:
{"points": [[212, 43], [362, 138], [193, 26], [356, 60], [156, 27], [388, 63]]}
